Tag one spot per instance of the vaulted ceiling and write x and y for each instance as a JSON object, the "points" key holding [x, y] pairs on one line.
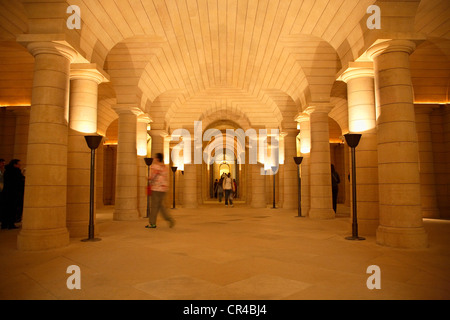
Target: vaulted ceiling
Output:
{"points": [[180, 60]]}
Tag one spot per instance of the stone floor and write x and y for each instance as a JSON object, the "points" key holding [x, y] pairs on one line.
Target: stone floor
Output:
{"points": [[228, 253]]}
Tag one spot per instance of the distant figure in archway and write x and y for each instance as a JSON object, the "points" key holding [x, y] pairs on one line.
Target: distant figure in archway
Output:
{"points": [[229, 188], [335, 180], [219, 189], [215, 188]]}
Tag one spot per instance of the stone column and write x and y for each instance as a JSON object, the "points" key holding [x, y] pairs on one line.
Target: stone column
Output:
{"points": [[426, 163], [362, 119], [21, 135], [82, 121], [320, 167], [305, 149], [398, 167], [190, 176], [258, 186], [290, 181], [126, 204], [44, 214], [158, 143], [141, 142]]}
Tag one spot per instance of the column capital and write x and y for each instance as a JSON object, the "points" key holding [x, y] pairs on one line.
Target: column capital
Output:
{"points": [[397, 45], [319, 107], [160, 133], [289, 132], [88, 71], [302, 117], [127, 109], [49, 47], [357, 70], [144, 118]]}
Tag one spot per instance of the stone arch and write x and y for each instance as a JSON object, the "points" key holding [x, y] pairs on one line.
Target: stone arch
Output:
{"points": [[126, 62]]}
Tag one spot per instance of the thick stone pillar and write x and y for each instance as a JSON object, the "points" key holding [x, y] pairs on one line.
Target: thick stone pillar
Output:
{"points": [[305, 149], [290, 177], [258, 186], [398, 166], [158, 143], [426, 163], [82, 121], [190, 198], [190, 186], [141, 142], [320, 167], [126, 204], [44, 214], [362, 119]]}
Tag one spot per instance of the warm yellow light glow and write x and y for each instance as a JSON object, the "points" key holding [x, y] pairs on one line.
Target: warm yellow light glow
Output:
{"points": [[142, 149], [359, 126], [15, 104], [305, 149], [166, 151], [83, 126], [141, 138], [431, 102], [305, 138]]}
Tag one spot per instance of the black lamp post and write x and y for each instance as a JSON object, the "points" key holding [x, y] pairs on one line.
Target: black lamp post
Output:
{"points": [[352, 140], [298, 161], [93, 142], [148, 162], [174, 169], [274, 173]]}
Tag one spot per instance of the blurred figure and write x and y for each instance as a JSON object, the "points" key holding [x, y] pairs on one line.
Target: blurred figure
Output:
{"points": [[13, 189], [335, 180], [2, 171], [160, 184], [215, 188]]}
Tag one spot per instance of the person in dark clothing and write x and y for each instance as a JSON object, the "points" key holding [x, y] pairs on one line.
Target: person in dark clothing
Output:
{"points": [[13, 190], [215, 188], [335, 180], [2, 172]]}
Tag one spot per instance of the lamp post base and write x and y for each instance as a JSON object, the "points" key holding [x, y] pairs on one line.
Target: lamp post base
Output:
{"points": [[355, 238], [91, 239]]}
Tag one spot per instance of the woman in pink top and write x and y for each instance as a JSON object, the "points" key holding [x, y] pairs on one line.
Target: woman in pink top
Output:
{"points": [[159, 182]]}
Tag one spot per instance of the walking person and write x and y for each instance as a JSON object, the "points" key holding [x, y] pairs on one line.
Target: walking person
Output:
{"points": [[335, 180], [159, 185], [228, 187]]}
